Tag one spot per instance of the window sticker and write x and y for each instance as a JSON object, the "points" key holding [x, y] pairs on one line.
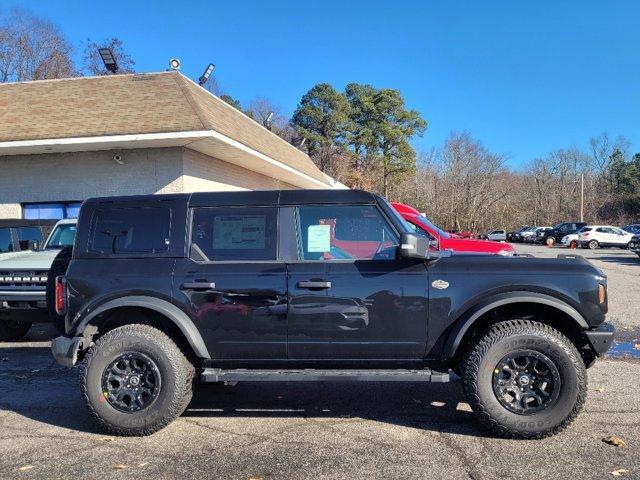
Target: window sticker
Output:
{"points": [[239, 232], [319, 238]]}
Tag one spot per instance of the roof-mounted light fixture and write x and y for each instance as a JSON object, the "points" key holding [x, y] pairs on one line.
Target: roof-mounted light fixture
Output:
{"points": [[207, 73], [174, 64], [108, 59], [267, 121]]}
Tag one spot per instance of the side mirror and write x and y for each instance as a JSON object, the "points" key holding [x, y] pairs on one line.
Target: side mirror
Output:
{"points": [[33, 245], [413, 246]]}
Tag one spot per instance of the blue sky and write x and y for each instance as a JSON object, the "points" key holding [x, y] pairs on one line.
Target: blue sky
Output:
{"points": [[523, 77]]}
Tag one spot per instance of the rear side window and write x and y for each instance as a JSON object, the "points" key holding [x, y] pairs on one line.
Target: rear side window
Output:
{"points": [[236, 234], [142, 230]]}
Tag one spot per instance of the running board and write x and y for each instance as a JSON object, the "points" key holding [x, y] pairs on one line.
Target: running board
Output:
{"points": [[328, 375]]}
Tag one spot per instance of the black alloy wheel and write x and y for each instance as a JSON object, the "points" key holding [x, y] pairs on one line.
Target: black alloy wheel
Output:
{"points": [[526, 382], [131, 382]]}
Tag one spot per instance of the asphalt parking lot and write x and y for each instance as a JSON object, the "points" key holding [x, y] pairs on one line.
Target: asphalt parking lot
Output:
{"points": [[330, 430]]}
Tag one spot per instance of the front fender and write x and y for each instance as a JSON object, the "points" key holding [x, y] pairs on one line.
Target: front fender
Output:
{"points": [[463, 324], [173, 313]]}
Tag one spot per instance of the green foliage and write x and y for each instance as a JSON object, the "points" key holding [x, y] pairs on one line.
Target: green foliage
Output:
{"points": [[322, 119], [369, 127], [231, 101]]}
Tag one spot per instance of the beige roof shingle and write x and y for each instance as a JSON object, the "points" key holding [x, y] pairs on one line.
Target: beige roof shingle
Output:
{"points": [[133, 104]]}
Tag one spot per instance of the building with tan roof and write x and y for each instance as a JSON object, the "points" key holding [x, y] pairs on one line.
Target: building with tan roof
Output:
{"points": [[62, 141]]}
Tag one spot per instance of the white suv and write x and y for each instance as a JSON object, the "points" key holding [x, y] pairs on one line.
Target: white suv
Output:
{"points": [[604, 236]]}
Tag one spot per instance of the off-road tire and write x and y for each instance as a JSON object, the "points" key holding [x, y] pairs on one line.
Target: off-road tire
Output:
{"points": [[550, 241], [10, 330], [593, 245], [58, 267], [176, 373], [509, 336]]}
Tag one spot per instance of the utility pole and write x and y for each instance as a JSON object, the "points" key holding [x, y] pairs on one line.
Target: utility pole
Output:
{"points": [[582, 197]]}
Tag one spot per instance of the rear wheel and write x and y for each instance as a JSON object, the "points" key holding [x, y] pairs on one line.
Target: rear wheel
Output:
{"points": [[573, 244], [136, 380], [593, 244], [524, 379], [12, 330], [550, 241]]}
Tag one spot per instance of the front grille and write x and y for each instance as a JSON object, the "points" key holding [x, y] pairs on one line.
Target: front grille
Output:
{"points": [[27, 278]]}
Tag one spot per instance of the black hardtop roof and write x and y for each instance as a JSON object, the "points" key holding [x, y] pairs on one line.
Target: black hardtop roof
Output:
{"points": [[22, 222], [258, 197]]}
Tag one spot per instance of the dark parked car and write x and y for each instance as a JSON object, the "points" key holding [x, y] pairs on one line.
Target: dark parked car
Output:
{"points": [[309, 286], [516, 236], [632, 228], [634, 245], [557, 233]]}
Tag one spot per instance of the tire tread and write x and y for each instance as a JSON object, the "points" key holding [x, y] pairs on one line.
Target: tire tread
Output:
{"points": [[493, 334], [184, 372]]}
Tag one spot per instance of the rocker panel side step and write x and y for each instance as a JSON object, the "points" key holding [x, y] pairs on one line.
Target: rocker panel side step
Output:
{"points": [[328, 375]]}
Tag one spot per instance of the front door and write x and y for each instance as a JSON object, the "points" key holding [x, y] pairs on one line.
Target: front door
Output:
{"points": [[233, 286], [349, 298]]}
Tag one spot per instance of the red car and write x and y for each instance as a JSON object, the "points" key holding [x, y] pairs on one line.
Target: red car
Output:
{"points": [[446, 241]]}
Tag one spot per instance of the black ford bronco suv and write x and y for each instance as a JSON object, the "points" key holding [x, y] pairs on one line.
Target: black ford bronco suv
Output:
{"points": [[315, 285]]}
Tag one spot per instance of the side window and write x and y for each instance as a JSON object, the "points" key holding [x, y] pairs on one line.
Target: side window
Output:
{"points": [[601, 230], [418, 230], [143, 230], [236, 233], [344, 233]]}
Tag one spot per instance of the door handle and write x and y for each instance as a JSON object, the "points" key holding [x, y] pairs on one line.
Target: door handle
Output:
{"points": [[318, 285], [197, 286]]}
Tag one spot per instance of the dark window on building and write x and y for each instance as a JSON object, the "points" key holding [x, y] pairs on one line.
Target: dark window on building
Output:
{"points": [[344, 232], [236, 233], [130, 230], [51, 210]]}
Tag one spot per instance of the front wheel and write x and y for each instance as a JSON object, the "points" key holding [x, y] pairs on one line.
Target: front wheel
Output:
{"points": [[550, 241], [12, 330], [136, 380], [593, 244], [524, 379]]}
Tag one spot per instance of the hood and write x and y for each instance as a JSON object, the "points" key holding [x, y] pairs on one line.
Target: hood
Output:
{"points": [[28, 260], [471, 245]]}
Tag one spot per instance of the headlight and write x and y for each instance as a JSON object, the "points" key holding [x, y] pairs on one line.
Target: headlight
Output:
{"points": [[506, 253]]}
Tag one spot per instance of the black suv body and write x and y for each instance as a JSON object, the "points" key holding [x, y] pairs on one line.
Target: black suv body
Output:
{"points": [[634, 244], [315, 285], [555, 235]]}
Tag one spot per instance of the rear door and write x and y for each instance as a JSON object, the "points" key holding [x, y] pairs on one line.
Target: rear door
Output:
{"points": [[233, 285], [350, 299]]}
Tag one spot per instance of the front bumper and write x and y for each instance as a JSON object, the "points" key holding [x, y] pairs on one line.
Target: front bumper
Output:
{"points": [[8, 297], [601, 338], [65, 350]]}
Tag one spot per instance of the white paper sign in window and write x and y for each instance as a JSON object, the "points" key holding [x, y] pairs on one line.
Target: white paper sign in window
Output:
{"points": [[319, 238]]}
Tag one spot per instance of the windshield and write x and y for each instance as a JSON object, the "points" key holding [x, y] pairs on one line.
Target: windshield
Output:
{"points": [[62, 236], [6, 245], [425, 221]]}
